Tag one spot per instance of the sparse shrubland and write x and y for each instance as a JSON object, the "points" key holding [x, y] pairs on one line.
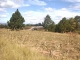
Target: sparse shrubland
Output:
{"points": [[38, 45]]}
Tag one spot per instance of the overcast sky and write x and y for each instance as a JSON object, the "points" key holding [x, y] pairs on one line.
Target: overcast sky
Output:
{"points": [[34, 11]]}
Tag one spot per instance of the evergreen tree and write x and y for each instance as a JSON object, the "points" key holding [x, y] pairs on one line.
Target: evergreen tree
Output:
{"points": [[56, 28], [62, 25], [16, 21], [47, 22], [51, 27], [77, 19], [72, 23], [66, 25]]}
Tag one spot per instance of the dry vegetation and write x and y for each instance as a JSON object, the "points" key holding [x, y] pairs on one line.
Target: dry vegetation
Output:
{"points": [[38, 45]]}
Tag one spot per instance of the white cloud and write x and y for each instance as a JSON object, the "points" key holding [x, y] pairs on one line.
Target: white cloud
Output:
{"points": [[4, 15], [3, 10], [56, 15], [19, 3], [36, 2], [7, 4], [34, 17], [72, 1], [12, 3], [49, 9], [75, 6], [65, 13]]}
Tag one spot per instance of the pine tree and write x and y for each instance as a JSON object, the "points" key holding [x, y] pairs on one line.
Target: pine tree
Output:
{"points": [[62, 25], [72, 23], [47, 22], [16, 21], [51, 27], [77, 19]]}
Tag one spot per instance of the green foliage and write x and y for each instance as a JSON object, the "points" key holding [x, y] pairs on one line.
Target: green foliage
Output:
{"points": [[51, 27], [66, 25], [72, 23], [77, 19], [47, 22], [16, 21], [62, 25], [3, 26]]}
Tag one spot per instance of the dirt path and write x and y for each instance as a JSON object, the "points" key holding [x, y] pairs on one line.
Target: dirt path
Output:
{"points": [[31, 28]]}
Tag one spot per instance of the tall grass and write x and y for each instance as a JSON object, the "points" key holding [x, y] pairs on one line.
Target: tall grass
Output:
{"points": [[38, 45], [12, 49]]}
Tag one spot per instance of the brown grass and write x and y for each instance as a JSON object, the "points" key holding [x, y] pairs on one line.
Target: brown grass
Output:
{"points": [[38, 45]]}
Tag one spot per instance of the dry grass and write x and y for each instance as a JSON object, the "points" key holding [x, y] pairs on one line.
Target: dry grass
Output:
{"points": [[38, 45]]}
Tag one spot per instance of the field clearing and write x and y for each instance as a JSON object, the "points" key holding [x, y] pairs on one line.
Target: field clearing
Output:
{"points": [[38, 45]]}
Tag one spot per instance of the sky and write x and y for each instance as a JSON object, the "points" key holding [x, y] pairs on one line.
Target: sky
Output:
{"points": [[34, 11]]}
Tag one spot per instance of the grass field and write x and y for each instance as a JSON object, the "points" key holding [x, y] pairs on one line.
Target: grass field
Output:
{"points": [[38, 45]]}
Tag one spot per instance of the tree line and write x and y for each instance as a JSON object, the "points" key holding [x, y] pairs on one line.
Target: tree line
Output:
{"points": [[65, 25], [16, 22]]}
